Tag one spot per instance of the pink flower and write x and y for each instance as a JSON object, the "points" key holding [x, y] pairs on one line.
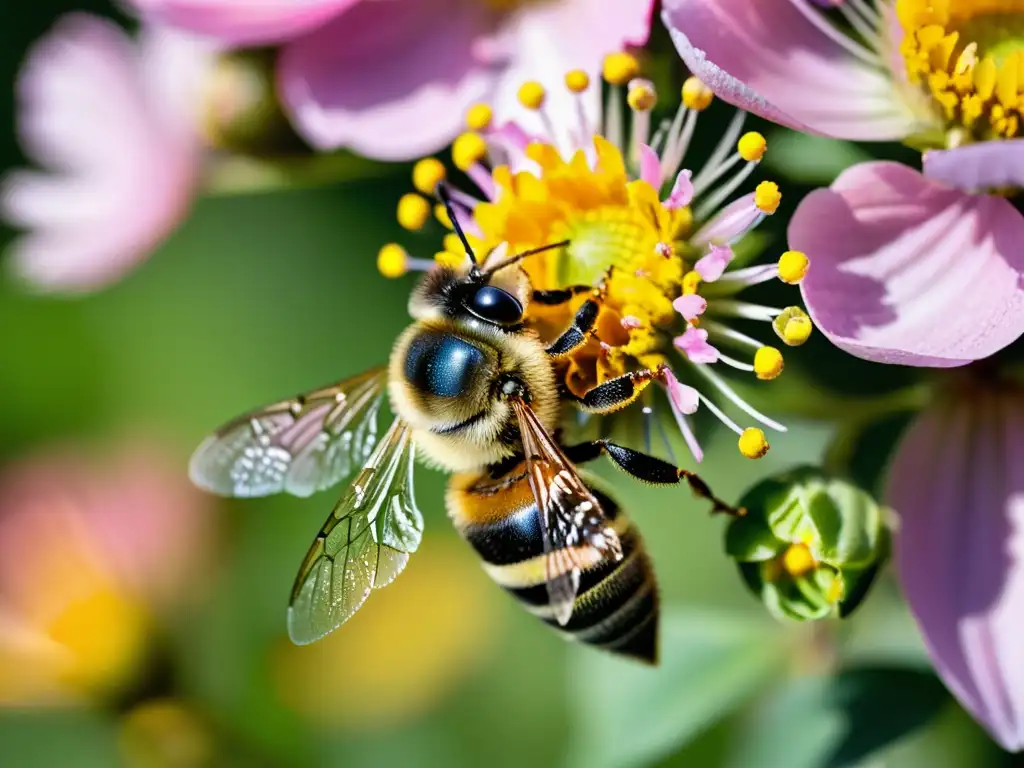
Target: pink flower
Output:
{"points": [[958, 488], [392, 79], [111, 122]]}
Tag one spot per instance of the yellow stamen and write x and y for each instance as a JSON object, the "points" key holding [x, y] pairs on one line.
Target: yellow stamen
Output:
{"points": [[793, 266], [620, 68], [836, 590], [752, 146], [641, 97], [577, 81], [478, 117], [752, 443], [531, 94], [449, 259], [767, 363], [441, 214], [427, 174], [798, 561], [696, 95], [767, 197], [793, 326], [691, 282], [413, 211], [392, 260], [468, 150]]}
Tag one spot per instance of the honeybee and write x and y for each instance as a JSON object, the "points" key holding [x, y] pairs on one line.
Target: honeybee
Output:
{"points": [[475, 392]]}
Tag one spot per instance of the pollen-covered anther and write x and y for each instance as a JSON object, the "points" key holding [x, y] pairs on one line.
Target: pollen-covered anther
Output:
{"points": [[767, 197], [696, 95], [479, 117], [577, 80], [468, 149], [752, 443], [752, 146], [620, 68], [531, 94], [413, 211], [392, 260], [427, 174], [793, 326], [768, 363], [793, 266], [441, 214], [798, 561], [641, 97], [665, 249]]}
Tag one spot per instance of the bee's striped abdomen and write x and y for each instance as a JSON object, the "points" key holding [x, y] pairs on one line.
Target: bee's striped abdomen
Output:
{"points": [[616, 605]]}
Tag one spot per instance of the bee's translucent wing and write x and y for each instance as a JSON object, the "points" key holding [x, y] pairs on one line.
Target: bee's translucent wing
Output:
{"points": [[298, 446], [571, 518], [364, 544]]}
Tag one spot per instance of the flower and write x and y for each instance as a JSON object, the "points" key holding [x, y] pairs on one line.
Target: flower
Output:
{"points": [[893, 248], [112, 123], [88, 551], [656, 236], [390, 79], [956, 483]]}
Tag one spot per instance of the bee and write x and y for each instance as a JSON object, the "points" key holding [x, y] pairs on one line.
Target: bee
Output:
{"points": [[475, 392]]}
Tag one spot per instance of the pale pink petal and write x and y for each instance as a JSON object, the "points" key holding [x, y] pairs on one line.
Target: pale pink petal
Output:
{"points": [[909, 271], [242, 22], [713, 265], [694, 344], [682, 191], [120, 163], [390, 79], [729, 224], [690, 306], [650, 166], [981, 167], [766, 57], [957, 485], [683, 401]]}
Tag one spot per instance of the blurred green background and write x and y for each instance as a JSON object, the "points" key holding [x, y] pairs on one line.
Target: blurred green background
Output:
{"points": [[260, 296]]}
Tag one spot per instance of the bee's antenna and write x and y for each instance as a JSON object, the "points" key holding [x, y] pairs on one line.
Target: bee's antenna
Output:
{"points": [[520, 256], [442, 192]]}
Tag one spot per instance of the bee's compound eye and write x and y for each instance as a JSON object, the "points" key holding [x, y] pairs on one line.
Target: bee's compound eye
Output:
{"points": [[495, 305], [442, 365]]}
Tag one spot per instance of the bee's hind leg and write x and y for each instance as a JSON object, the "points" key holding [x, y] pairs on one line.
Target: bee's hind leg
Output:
{"points": [[617, 393], [650, 469]]}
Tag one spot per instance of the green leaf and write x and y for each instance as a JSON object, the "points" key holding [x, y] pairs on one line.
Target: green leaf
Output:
{"points": [[820, 722], [625, 714], [749, 539]]}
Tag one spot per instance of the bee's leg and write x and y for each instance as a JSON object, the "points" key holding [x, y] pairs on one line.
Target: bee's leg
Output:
{"points": [[619, 392], [560, 295], [650, 469], [577, 334]]}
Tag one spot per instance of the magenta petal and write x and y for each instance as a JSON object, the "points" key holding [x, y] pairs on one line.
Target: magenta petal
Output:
{"points": [[682, 191], [978, 167], [713, 265], [909, 271], [390, 79], [650, 167], [694, 344], [684, 401], [690, 306], [765, 57], [957, 485]]}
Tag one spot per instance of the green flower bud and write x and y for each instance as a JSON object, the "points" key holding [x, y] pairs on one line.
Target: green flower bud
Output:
{"points": [[810, 545]]}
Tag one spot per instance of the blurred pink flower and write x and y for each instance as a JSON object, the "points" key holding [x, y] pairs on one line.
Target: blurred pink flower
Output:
{"points": [[112, 122], [392, 79], [910, 268], [88, 551], [957, 484]]}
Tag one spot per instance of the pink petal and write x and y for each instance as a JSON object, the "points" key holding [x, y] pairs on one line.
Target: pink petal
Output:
{"points": [[243, 22], [650, 166], [390, 79], [729, 223], [116, 139], [713, 265], [694, 344], [957, 486], [979, 167], [690, 306], [682, 191], [766, 57], [684, 401], [909, 271]]}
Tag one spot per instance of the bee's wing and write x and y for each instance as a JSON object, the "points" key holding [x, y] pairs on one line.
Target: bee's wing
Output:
{"points": [[571, 518], [299, 446], [364, 544]]}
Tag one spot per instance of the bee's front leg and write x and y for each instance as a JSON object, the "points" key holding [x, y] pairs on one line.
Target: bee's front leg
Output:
{"points": [[617, 393]]}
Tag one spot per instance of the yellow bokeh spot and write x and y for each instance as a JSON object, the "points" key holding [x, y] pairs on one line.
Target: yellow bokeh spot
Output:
{"points": [[798, 561], [793, 266], [449, 259], [620, 68], [768, 363], [767, 197], [752, 443], [793, 326], [468, 150], [392, 260], [479, 117], [696, 95], [441, 214], [642, 98], [413, 211], [164, 732], [577, 81], [752, 146], [427, 174], [531, 94]]}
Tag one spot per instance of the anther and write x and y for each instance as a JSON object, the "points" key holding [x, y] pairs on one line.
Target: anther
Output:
{"points": [[620, 68], [767, 197], [793, 326], [531, 94], [664, 249], [642, 96], [752, 443], [468, 150], [413, 211], [696, 95], [798, 561], [478, 117], [441, 214], [427, 174], [449, 259], [392, 260], [793, 266], [768, 363], [752, 146], [577, 81], [691, 281]]}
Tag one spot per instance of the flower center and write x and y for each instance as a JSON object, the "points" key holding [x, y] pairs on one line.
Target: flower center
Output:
{"points": [[968, 55]]}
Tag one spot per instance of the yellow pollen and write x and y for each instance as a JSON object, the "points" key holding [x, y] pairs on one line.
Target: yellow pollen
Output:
{"points": [[577, 81], [620, 68], [453, 244], [441, 214], [449, 259], [752, 146], [427, 174], [696, 95], [793, 326], [767, 363], [478, 117], [793, 266], [691, 281], [413, 211], [468, 150], [392, 260], [752, 443], [641, 98], [767, 197], [798, 561], [531, 94]]}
